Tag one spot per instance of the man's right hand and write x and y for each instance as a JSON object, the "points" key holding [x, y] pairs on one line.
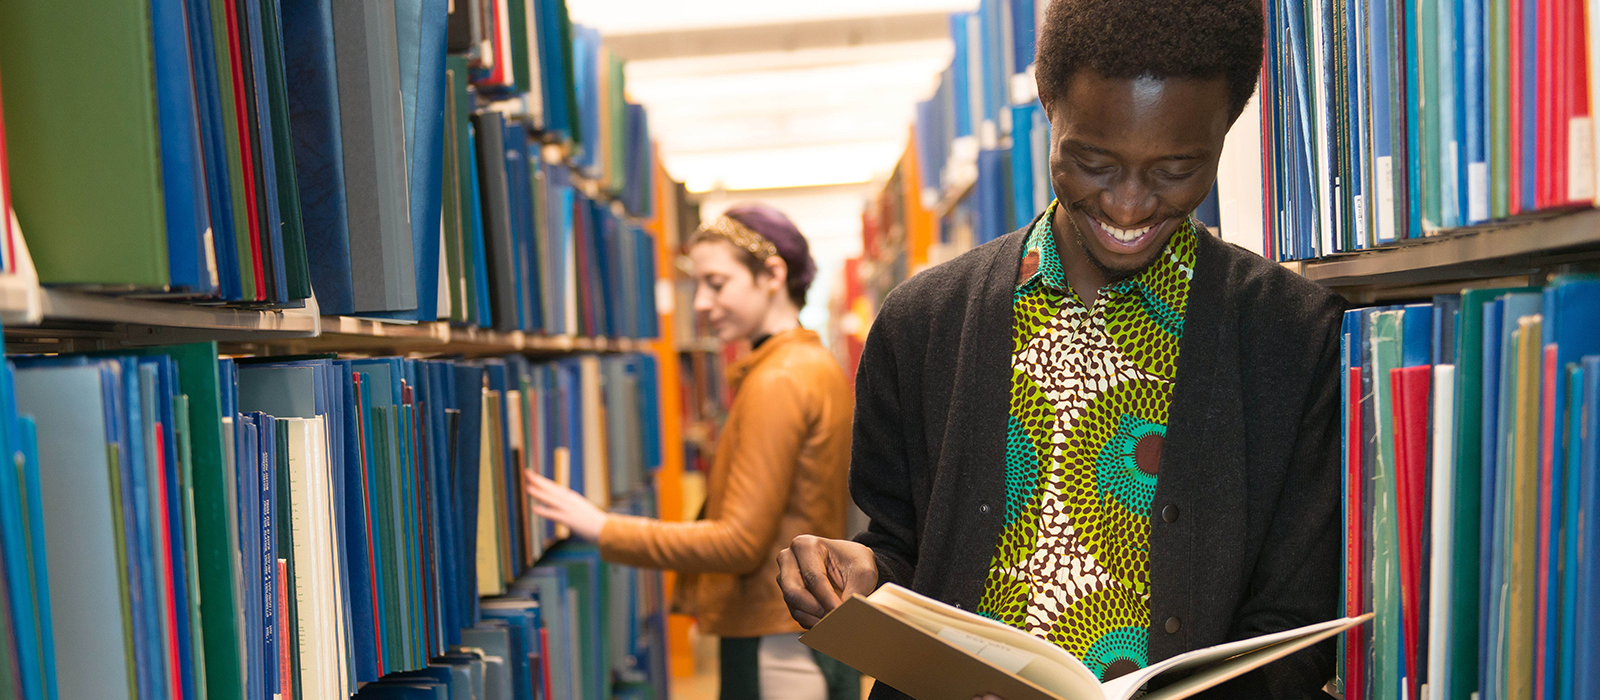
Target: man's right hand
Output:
{"points": [[818, 575]]}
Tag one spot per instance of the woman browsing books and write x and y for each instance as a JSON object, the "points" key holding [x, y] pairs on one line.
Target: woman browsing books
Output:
{"points": [[779, 471]]}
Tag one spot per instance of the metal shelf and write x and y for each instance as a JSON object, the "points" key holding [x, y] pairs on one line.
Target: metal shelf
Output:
{"points": [[1519, 248]]}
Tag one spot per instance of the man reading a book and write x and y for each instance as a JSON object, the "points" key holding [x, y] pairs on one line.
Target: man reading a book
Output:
{"points": [[1109, 428]]}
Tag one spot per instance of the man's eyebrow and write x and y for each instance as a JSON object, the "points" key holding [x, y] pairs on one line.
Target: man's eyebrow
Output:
{"points": [[1090, 148]]}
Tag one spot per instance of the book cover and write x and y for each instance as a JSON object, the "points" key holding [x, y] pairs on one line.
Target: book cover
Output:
{"points": [[92, 154]]}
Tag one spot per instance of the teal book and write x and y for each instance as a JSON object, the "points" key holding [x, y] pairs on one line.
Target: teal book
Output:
{"points": [[1386, 338]]}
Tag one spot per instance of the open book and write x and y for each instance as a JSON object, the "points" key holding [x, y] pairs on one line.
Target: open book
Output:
{"points": [[933, 651]]}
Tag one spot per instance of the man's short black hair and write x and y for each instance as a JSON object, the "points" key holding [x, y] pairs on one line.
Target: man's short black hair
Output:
{"points": [[1199, 39]]}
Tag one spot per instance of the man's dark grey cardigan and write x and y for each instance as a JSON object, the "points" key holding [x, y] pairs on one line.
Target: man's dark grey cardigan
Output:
{"points": [[1244, 528]]}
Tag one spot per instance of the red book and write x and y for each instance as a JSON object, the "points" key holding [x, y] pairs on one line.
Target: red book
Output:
{"points": [[1354, 565], [1268, 172], [285, 653], [246, 155], [164, 572], [1514, 143], [1410, 387], [1571, 132], [1543, 571], [544, 662]]}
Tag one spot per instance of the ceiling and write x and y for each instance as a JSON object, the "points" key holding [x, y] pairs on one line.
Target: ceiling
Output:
{"points": [[765, 95], [801, 105]]}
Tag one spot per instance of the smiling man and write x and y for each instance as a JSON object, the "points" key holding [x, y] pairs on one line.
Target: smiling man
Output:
{"points": [[1109, 428]]}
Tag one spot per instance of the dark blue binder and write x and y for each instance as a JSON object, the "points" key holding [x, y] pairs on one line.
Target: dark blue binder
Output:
{"points": [[313, 83], [190, 255]]}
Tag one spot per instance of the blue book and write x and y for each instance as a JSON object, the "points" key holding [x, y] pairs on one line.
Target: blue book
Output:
{"points": [[357, 563], [165, 372], [266, 474], [1560, 670], [248, 481], [1022, 34], [1586, 642], [1452, 174], [272, 235], [1381, 63], [1022, 165], [420, 26], [1475, 134], [313, 84], [1355, 181], [191, 259], [469, 404], [25, 574], [1493, 316], [1417, 343], [960, 66], [214, 147], [519, 205], [1571, 309], [1412, 96], [1530, 105]]}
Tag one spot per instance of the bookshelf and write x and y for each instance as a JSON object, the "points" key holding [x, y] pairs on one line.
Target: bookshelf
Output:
{"points": [[596, 393]]}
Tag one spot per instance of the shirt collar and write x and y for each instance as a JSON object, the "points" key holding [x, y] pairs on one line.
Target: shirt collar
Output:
{"points": [[1041, 261]]}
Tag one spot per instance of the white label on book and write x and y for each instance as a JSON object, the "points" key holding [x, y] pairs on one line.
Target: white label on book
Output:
{"points": [[1009, 658], [1477, 192], [1359, 214], [1385, 177], [1023, 89], [1580, 159]]}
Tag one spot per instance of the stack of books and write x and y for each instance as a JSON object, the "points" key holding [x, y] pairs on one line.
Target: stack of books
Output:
{"points": [[1472, 495], [184, 525]]}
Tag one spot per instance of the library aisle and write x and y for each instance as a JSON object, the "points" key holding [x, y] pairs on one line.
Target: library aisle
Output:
{"points": [[304, 302]]}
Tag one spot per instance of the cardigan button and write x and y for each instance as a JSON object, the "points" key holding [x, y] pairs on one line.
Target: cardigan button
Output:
{"points": [[983, 508], [1173, 624], [1170, 514]]}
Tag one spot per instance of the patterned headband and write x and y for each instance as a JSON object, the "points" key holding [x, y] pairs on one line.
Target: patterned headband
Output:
{"points": [[740, 235]]}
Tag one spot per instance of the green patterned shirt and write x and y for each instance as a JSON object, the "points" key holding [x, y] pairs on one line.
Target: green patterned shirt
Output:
{"points": [[1090, 388]]}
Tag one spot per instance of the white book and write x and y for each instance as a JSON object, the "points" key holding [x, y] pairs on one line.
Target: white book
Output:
{"points": [[1444, 501], [933, 651]]}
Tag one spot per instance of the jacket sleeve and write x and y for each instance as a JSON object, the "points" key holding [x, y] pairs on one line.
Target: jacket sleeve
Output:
{"points": [[771, 427], [879, 469], [1296, 579]]}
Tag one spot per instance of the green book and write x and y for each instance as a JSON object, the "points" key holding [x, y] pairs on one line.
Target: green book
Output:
{"points": [[83, 141], [517, 18], [1386, 338], [457, 133], [451, 236], [296, 267], [1522, 521], [242, 215], [1466, 564], [1432, 156], [383, 516], [1496, 19]]}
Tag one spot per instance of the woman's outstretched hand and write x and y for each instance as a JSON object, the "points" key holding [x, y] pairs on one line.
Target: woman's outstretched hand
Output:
{"points": [[552, 501], [818, 575]]}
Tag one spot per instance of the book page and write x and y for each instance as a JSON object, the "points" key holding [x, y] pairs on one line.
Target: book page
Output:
{"points": [[1236, 657], [1006, 647]]}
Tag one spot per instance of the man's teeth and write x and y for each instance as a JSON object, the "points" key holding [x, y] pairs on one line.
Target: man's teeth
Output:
{"points": [[1126, 235]]}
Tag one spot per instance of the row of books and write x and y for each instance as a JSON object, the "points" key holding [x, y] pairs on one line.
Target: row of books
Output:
{"points": [[1472, 495], [971, 110], [182, 525], [259, 150], [1390, 120]]}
